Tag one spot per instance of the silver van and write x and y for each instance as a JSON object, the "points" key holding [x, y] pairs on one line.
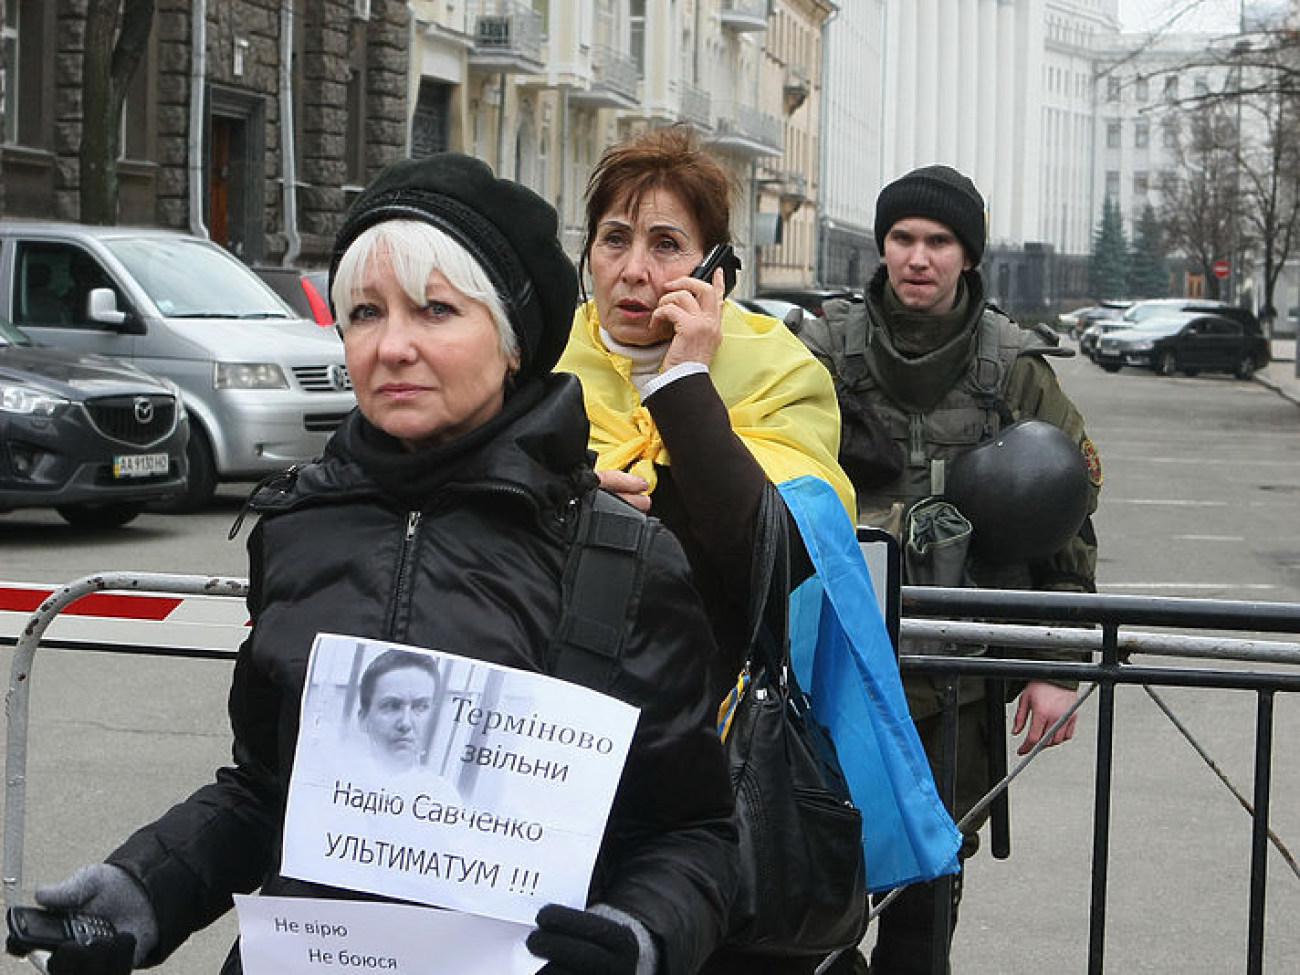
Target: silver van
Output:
{"points": [[263, 387]]}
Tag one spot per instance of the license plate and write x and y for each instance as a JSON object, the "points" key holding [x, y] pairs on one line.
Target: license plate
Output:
{"points": [[140, 465]]}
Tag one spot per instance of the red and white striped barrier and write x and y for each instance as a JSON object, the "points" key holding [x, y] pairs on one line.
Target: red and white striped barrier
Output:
{"points": [[217, 623]]}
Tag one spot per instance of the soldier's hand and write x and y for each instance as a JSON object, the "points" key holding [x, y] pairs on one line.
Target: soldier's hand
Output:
{"points": [[1039, 706]]}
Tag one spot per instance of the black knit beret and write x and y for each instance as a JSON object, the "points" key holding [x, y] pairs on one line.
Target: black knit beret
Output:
{"points": [[939, 193], [506, 227]]}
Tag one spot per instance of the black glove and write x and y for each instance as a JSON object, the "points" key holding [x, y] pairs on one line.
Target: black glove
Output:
{"points": [[106, 958], [584, 943]]}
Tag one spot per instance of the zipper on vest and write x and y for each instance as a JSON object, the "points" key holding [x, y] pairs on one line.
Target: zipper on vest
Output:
{"points": [[402, 579]]}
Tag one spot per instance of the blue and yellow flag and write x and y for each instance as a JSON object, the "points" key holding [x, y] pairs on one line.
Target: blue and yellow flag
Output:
{"points": [[843, 658]]}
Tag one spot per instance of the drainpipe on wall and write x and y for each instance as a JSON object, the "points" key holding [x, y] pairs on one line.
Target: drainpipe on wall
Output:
{"points": [[823, 221], [198, 77], [501, 128], [288, 149]]}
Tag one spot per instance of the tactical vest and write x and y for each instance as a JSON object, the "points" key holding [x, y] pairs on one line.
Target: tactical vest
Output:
{"points": [[972, 411]]}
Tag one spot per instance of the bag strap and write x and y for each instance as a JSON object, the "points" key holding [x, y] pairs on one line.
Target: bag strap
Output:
{"points": [[769, 594], [600, 590]]}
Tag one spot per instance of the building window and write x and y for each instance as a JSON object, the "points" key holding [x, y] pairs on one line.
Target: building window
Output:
{"points": [[1141, 90], [431, 126], [1202, 87], [1112, 89], [1112, 135], [636, 28], [1141, 135], [1171, 87], [28, 48], [1140, 183], [1112, 183], [1169, 133]]}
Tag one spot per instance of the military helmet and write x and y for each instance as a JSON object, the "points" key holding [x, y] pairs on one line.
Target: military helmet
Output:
{"points": [[1025, 492]]}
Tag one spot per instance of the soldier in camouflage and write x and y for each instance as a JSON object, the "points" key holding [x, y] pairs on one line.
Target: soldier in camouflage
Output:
{"points": [[926, 368]]}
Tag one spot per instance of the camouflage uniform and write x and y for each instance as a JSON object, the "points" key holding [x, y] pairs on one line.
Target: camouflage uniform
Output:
{"points": [[1002, 377]]}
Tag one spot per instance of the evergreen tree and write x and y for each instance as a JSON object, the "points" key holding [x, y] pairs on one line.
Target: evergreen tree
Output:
{"points": [[1148, 275], [1109, 254]]}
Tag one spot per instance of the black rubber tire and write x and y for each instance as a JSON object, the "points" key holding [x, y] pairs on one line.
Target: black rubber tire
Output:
{"points": [[1167, 364], [100, 515], [1110, 367], [201, 483], [1245, 366]]}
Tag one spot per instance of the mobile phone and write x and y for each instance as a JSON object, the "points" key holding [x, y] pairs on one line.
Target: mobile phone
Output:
{"points": [[721, 256], [36, 929]]}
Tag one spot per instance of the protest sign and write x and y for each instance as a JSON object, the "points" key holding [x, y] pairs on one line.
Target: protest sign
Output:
{"points": [[436, 778], [309, 936]]}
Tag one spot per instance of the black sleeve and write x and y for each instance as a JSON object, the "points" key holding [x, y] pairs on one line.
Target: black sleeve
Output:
{"points": [[221, 839], [718, 479]]}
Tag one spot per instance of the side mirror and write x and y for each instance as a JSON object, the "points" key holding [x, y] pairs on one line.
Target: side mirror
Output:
{"points": [[101, 306]]}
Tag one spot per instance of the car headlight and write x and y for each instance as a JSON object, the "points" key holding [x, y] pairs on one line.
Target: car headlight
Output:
{"points": [[29, 401], [249, 375]]}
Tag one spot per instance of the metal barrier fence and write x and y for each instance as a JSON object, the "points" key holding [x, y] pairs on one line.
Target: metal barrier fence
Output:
{"points": [[1091, 623], [1088, 623]]}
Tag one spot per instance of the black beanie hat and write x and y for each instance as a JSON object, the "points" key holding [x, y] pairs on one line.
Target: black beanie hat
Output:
{"points": [[506, 227], [939, 193]]}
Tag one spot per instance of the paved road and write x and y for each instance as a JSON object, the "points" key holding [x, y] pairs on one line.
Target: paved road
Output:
{"points": [[1203, 478], [1200, 500]]}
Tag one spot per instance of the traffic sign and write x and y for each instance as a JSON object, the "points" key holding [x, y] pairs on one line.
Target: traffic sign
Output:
{"points": [[1221, 268]]}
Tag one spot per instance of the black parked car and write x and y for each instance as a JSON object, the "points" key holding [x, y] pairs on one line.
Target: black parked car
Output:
{"points": [[1188, 342], [92, 437], [1140, 311]]}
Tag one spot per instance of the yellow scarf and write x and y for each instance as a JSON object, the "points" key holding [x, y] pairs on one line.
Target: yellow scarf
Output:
{"points": [[780, 399]]}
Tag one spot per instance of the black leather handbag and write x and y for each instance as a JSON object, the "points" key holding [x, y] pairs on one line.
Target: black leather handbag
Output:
{"points": [[803, 882]]}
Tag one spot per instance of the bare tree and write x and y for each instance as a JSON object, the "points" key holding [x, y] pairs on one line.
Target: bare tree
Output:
{"points": [[1269, 150], [116, 34], [1246, 134], [1198, 201]]}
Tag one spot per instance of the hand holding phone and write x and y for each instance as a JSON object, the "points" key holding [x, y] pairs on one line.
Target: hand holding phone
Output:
{"points": [[34, 928], [721, 256]]}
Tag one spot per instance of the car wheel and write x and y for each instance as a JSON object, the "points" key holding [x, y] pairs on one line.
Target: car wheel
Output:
{"points": [[1245, 367], [100, 515], [201, 481], [1167, 364], [1110, 367]]}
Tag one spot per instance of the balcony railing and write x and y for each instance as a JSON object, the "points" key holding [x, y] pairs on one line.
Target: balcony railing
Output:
{"points": [[693, 105], [507, 36], [744, 15], [746, 130], [614, 80]]}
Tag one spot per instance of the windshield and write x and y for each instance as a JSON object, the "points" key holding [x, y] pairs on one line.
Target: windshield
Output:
{"points": [[194, 279], [12, 335], [1161, 326], [1140, 313]]}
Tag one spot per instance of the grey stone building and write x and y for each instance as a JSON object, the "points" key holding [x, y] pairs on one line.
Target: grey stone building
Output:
{"points": [[234, 101]]}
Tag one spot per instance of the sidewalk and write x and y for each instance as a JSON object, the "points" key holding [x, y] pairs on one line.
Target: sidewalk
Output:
{"points": [[1280, 374]]}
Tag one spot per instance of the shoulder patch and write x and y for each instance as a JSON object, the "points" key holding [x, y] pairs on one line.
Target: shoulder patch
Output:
{"points": [[1092, 459]]}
